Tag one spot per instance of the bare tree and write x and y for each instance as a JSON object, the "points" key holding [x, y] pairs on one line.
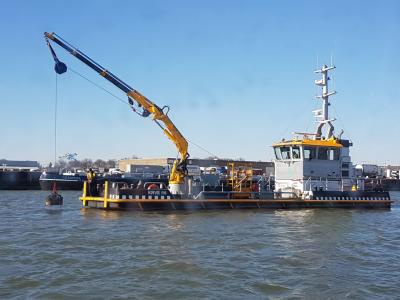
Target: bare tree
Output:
{"points": [[62, 164], [111, 163], [99, 163], [75, 164], [87, 163]]}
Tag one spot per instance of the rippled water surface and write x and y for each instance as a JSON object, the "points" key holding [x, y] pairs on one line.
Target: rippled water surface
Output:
{"points": [[249, 254]]}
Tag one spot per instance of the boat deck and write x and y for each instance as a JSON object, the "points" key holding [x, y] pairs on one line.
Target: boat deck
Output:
{"points": [[211, 204]]}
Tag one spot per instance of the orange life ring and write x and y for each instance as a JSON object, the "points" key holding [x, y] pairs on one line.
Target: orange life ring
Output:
{"points": [[153, 186]]}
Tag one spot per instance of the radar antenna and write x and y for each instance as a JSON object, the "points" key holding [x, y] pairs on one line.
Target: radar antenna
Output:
{"points": [[322, 115]]}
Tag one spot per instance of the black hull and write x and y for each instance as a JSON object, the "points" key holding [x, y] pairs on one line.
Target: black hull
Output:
{"points": [[158, 198], [391, 184], [227, 204], [19, 180], [384, 184], [351, 195], [47, 185]]}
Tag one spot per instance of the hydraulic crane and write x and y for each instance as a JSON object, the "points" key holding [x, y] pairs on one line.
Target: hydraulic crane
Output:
{"points": [[159, 115]]}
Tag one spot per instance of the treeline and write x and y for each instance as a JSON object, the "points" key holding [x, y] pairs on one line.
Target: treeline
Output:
{"points": [[86, 163]]}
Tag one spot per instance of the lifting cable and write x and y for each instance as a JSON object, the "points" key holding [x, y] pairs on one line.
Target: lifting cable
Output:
{"points": [[61, 68], [123, 101], [101, 88], [205, 150], [55, 121]]}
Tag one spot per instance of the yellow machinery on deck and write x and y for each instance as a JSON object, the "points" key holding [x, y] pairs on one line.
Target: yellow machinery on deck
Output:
{"points": [[241, 181]]}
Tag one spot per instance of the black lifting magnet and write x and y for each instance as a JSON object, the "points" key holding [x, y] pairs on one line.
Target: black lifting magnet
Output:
{"points": [[59, 66]]}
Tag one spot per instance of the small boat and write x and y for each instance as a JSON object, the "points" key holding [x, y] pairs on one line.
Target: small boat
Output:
{"points": [[54, 198]]}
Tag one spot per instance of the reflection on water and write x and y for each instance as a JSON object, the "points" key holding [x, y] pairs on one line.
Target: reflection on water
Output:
{"points": [[53, 210], [90, 213], [76, 252], [174, 222], [296, 216]]}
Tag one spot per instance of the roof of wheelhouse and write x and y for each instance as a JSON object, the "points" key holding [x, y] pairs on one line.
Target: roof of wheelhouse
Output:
{"points": [[332, 142]]}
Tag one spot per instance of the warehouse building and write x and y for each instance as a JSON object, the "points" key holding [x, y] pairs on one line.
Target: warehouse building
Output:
{"points": [[266, 167]]}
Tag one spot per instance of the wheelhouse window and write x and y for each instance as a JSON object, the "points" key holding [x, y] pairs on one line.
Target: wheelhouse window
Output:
{"points": [[334, 154], [323, 153], [296, 152], [278, 154], [310, 153], [282, 152], [285, 151]]}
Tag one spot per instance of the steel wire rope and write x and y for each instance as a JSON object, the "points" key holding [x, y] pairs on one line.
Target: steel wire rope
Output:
{"points": [[55, 121], [200, 147], [123, 101], [99, 86]]}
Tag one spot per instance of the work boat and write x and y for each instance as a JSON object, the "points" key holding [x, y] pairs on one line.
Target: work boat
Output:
{"points": [[312, 170], [317, 165]]}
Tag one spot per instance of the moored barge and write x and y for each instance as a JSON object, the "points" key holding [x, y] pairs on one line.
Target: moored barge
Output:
{"points": [[19, 175]]}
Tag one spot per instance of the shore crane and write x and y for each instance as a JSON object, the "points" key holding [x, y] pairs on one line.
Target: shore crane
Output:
{"points": [[147, 107]]}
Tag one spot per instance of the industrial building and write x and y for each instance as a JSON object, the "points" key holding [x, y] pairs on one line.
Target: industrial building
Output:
{"points": [[266, 167], [18, 165]]}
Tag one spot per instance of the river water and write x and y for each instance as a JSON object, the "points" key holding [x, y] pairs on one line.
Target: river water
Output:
{"points": [[76, 252]]}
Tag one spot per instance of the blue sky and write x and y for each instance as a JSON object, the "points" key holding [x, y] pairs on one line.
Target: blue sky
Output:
{"points": [[238, 75]]}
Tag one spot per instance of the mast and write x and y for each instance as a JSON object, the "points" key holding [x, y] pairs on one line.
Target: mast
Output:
{"points": [[322, 114]]}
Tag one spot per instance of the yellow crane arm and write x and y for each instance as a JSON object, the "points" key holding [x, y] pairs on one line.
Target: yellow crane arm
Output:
{"points": [[179, 170]]}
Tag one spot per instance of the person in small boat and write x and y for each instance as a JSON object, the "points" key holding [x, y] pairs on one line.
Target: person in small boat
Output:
{"points": [[91, 178]]}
